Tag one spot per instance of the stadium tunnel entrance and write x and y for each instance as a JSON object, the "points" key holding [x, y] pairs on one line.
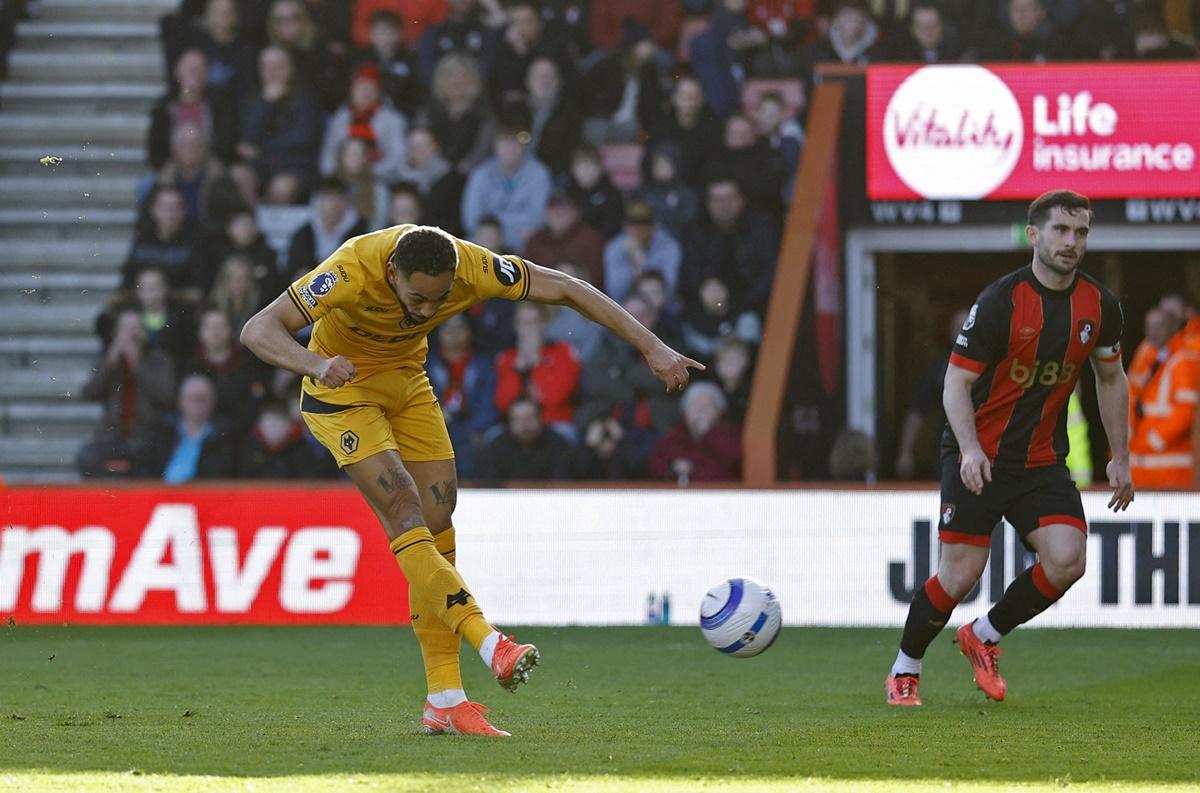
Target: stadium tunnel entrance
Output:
{"points": [[904, 285]]}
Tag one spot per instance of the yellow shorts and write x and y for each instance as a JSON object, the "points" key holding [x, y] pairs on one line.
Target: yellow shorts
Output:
{"points": [[392, 409]]}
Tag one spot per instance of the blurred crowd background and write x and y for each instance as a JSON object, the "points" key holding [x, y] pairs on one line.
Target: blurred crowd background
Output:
{"points": [[646, 147]]}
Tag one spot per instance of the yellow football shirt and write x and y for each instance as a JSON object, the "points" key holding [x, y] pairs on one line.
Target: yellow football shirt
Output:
{"points": [[356, 314]]}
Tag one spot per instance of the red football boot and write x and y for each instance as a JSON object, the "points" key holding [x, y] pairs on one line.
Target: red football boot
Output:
{"points": [[902, 690], [984, 660]]}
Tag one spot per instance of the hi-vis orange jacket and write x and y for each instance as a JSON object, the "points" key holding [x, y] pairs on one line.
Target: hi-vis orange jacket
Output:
{"points": [[1162, 407]]}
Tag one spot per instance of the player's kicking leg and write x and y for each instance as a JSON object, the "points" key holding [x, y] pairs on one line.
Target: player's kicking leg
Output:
{"points": [[1062, 555], [437, 592], [960, 566]]}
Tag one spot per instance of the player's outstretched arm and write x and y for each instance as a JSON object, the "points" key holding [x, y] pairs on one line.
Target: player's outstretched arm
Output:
{"points": [[268, 334], [1112, 393], [560, 289], [974, 466]]}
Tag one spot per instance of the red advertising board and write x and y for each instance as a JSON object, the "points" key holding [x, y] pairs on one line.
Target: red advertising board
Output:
{"points": [[155, 556], [1015, 131]]}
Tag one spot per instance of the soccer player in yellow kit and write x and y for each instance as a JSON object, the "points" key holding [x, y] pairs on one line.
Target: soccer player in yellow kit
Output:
{"points": [[367, 398]]}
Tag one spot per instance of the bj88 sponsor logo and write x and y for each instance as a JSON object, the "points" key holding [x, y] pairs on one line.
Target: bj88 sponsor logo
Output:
{"points": [[1038, 373]]}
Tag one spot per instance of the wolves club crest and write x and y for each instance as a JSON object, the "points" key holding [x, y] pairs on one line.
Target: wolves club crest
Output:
{"points": [[1086, 327], [947, 514]]}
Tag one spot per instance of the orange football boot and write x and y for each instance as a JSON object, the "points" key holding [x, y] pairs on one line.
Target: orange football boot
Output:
{"points": [[465, 718], [984, 660], [512, 662]]}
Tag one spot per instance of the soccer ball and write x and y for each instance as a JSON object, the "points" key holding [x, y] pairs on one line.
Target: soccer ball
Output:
{"points": [[740, 617]]}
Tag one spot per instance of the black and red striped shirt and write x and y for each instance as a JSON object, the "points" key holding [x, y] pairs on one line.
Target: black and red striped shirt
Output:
{"points": [[1028, 344]]}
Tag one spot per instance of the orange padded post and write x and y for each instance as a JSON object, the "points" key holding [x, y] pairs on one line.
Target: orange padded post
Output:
{"points": [[769, 387]]}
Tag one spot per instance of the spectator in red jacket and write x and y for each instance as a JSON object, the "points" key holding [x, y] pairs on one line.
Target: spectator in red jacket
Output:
{"points": [[545, 371], [703, 447]]}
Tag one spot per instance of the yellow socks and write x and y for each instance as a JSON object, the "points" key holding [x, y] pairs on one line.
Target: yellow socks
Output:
{"points": [[436, 588], [439, 644]]}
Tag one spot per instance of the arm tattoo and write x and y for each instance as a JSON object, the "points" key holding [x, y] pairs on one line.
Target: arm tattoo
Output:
{"points": [[395, 479], [446, 492]]}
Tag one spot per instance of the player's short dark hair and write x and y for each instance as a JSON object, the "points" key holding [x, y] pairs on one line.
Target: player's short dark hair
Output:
{"points": [[1066, 200], [425, 249]]}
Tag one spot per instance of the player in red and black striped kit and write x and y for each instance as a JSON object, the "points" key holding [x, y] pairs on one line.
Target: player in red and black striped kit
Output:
{"points": [[1013, 368]]}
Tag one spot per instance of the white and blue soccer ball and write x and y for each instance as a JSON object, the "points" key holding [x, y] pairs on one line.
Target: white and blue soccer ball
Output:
{"points": [[740, 617]]}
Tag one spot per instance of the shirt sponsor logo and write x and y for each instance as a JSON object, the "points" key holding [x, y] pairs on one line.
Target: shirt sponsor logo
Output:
{"points": [[366, 334], [507, 273], [1046, 373], [322, 284]]}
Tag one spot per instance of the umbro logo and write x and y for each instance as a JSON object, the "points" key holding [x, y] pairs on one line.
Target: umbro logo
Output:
{"points": [[459, 598]]}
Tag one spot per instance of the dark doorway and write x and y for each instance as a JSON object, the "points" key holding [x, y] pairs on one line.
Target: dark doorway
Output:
{"points": [[919, 293]]}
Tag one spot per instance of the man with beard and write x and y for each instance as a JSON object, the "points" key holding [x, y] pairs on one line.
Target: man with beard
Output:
{"points": [[1014, 366]]}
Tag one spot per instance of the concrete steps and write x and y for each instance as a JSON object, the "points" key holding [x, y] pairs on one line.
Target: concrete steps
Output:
{"points": [[54, 352], [40, 452], [82, 97], [49, 319], [50, 256], [16, 475], [35, 66], [70, 281], [114, 10], [70, 420], [70, 223], [85, 36], [53, 129], [54, 190], [81, 81], [44, 385], [101, 160]]}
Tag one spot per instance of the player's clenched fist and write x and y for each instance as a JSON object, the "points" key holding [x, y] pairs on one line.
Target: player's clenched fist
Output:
{"points": [[335, 372]]}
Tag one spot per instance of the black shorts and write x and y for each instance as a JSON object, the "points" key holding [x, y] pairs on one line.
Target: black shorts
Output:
{"points": [[1028, 498]]}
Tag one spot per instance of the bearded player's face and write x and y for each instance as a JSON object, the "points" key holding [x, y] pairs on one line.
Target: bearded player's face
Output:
{"points": [[1061, 241], [420, 294]]}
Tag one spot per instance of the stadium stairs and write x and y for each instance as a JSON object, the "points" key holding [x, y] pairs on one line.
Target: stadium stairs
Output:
{"points": [[81, 79]]}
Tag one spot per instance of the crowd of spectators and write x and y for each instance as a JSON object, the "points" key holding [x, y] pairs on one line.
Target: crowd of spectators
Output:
{"points": [[292, 125]]}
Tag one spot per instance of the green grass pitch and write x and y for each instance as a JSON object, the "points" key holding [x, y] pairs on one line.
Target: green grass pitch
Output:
{"points": [[638, 709]]}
